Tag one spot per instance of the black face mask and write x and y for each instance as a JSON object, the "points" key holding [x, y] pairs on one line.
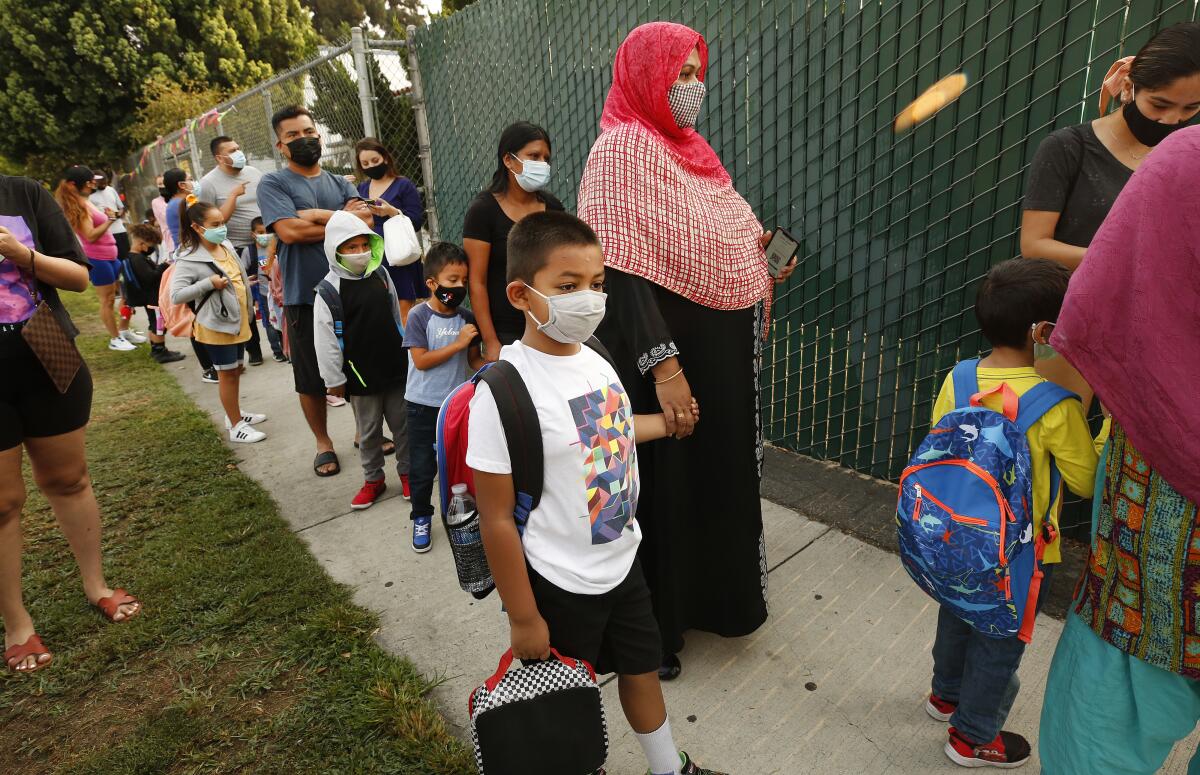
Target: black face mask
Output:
{"points": [[1146, 130], [452, 296], [376, 172], [306, 151]]}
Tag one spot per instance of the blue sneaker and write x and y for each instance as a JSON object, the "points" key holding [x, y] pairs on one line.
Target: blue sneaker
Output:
{"points": [[421, 538]]}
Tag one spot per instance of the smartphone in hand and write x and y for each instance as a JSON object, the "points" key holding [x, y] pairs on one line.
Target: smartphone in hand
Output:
{"points": [[780, 251]]}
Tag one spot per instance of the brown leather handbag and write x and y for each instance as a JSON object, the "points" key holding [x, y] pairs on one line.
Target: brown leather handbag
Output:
{"points": [[52, 346]]}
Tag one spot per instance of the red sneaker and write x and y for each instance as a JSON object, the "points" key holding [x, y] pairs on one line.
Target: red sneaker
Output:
{"points": [[369, 493], [1008, 751], [407, 493], [939, 709]]}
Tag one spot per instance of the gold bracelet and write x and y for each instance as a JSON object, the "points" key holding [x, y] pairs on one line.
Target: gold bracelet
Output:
{"points": [[668, 379]]}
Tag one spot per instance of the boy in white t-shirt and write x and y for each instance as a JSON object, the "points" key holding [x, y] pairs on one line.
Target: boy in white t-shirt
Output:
{"points": [[573, 579]]}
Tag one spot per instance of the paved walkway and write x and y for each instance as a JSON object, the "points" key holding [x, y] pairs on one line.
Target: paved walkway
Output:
{"points": [[833, 683]]}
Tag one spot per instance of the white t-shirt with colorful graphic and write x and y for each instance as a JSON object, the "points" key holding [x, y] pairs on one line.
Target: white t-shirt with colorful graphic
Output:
{"points": [[583, 536]]}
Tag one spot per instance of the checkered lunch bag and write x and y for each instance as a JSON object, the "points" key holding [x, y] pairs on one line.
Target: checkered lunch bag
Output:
{"points": [[545, 718]]}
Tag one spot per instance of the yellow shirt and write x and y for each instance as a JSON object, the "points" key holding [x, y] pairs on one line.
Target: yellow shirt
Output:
{"points": [[232, 269], [1062, 432]]}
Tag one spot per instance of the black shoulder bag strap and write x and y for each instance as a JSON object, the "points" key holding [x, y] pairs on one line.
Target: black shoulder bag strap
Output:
{"points": [[523, 434], [333, 300], [204, 299]]}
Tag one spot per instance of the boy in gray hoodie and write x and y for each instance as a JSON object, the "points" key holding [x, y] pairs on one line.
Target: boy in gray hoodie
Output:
{"points": [[359, 341]]}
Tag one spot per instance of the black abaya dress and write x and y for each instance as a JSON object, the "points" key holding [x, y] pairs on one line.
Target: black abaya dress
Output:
{"points": [[702, 549]]}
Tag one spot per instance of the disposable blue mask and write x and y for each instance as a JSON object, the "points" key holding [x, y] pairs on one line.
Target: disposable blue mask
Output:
{"points": [[237, 160], [534, 175], [216, 236], [263, 240]]}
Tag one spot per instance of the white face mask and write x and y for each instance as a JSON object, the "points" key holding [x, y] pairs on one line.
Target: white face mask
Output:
{"points": [[534, 175], [574, 317], [355, 263], [685, 100]]}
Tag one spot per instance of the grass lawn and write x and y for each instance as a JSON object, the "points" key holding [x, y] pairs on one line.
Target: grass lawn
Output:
{"points": [[247, 657]]}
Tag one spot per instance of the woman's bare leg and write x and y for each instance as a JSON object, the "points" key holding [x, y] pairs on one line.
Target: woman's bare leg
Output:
{"points": [[18, 626], [227, 387], [108, 316]]}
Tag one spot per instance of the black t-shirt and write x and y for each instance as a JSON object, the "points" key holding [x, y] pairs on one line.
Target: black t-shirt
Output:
{"points": [[373, 343], [485, 221], [1075, 175], [35, 219], [142, 290]]}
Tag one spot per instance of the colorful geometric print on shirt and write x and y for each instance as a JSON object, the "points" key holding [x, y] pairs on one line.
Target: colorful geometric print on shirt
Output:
{"points": [[17, 301], [1141, 590], [605, 423]]}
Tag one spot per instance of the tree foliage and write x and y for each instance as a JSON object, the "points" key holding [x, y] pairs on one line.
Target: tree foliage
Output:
{"points": [[334, 18], [166, 105], [450, 6], [75, 72]]}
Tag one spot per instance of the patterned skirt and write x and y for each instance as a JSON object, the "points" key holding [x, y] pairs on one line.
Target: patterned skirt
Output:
{"points": [[1141, 589]]}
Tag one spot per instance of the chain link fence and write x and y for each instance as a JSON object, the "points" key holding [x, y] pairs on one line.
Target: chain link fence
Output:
{"points": [[896, 229], [328, 85]]}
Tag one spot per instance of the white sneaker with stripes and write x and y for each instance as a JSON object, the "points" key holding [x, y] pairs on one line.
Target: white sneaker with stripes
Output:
{"points": [[242, 433], [250, 418]]}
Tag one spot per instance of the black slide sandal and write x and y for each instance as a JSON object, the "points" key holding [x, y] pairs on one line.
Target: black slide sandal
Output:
{"points": [[324, 459]]}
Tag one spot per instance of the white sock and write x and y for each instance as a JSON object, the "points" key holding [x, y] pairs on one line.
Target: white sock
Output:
{"points": [[660, 750]]}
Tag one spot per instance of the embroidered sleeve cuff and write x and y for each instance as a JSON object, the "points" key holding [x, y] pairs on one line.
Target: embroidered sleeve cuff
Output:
{"points": [[657, 355]]}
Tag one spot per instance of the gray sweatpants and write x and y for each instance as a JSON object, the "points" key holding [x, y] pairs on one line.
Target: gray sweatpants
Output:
{"points": [[369, 413]]}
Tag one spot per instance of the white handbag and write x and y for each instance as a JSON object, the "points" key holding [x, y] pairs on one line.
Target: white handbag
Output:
{"points": [[400, 244]]}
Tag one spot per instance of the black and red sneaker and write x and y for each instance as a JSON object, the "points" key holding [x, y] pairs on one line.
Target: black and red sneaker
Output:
{"points": [[1008, 751], [939, 709]]}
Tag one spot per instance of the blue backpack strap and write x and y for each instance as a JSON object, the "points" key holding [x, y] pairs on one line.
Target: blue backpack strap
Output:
{"points": [[1034, 404], [333, 300], [966, 382], [523, 433]]}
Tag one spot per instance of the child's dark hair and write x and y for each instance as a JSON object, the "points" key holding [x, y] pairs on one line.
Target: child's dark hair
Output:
{"points": [[513, 139], [442, 255], [1013, 297], [146, 232], [531, 240], [1172, 54], [256, 221], [188, 215]]}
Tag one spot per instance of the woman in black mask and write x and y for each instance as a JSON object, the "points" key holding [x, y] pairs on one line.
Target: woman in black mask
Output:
{"points": [[1079, 171], [379, 181]]}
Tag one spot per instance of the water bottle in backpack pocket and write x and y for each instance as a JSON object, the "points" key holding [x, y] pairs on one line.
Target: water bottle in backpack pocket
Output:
{"points": [[964, 515]]}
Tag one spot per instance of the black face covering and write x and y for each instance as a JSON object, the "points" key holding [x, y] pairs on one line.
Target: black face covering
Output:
{"points": [[306, 151], [451, 296], [1147, 131], [376, 172]]}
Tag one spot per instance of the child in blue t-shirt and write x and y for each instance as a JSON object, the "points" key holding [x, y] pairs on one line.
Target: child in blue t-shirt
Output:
{"points": [[442, 344]]}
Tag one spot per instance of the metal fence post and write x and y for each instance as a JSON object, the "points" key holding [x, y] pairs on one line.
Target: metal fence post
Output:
{"points": [[269, 106], [358, 47], [419, 116], [197, 170]]}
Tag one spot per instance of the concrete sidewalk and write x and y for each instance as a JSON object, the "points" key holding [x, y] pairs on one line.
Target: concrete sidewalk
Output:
{"points": [[833, 683]]}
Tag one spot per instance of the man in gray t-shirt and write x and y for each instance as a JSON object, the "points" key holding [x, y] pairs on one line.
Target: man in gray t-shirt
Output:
{"points": [[233, 187]]}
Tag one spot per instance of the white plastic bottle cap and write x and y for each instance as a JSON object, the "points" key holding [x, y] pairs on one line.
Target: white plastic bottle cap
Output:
{"points": [[459, 489]]}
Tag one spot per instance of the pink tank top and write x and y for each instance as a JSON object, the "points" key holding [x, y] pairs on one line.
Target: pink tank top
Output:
{"points": [[104, 248]]}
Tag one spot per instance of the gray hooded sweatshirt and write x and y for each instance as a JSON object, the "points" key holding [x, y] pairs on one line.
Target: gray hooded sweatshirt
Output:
{"points": [[341, 227], [193, 279]]}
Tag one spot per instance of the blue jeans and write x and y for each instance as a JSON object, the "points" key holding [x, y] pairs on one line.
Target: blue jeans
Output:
{"points": [[422, 438], [273, 336], [977, 673]]}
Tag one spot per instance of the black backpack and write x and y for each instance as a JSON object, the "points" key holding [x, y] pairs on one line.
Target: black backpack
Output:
{"points": [[333, 300]]}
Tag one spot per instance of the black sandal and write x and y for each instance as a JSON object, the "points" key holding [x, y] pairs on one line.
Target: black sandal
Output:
{"points": [[324, 459]]}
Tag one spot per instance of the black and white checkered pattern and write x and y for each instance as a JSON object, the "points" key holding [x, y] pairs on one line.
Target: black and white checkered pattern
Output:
{"points": [[685, 100], [528, 683]]}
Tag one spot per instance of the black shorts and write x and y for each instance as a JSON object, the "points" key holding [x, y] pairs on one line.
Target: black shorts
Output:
{"points": [[616, 631], [30, 404], [299, 321]]}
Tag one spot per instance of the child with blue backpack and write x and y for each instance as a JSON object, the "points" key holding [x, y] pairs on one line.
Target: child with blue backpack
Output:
{"points": [[1000, 433]]}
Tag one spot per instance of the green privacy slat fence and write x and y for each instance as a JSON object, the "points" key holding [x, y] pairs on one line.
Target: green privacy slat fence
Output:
{"points": [[896, 230]]}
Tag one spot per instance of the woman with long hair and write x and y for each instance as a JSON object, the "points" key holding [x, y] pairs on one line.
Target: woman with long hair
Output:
{"points": [[99, 245], [39, 254], [688, 287], [517, 190], [389, 194]]}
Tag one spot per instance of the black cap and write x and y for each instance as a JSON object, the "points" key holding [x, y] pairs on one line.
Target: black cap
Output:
{"points": [[79, 175]]}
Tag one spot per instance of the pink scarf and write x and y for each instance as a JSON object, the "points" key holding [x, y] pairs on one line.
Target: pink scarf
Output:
{"points": [[659, 198], [1131, 320]]}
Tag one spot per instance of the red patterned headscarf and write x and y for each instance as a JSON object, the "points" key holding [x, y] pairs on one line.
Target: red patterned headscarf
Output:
{"points": [[657, 194]]}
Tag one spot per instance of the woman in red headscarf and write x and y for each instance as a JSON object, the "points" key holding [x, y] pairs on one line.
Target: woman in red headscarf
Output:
{"points": [[688, 291]]}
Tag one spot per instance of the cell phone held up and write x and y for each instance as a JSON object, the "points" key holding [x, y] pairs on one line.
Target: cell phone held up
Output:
{"points": [[780, 251]]}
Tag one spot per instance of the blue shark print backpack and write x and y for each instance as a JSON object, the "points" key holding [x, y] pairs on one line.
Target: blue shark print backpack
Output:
{"points": [[964, 516]]}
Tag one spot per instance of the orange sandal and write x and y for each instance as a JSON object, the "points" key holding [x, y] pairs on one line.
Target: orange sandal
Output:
{"points": [[30, 648], [110, 606]]}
